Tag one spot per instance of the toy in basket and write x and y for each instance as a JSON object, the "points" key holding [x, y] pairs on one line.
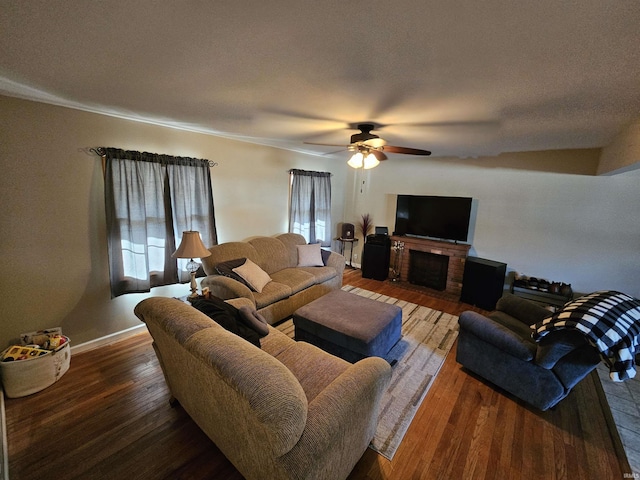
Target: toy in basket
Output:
{"points": [[38, 363]]}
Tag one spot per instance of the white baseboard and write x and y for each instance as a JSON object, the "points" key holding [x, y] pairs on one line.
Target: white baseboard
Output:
{"points": [[107, 339]]}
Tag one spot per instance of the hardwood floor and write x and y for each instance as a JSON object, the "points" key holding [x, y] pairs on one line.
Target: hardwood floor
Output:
{"points": [[109, 418]]}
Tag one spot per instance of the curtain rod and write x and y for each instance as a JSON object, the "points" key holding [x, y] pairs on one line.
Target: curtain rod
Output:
{"points": [[309, 173], [102, 152]]}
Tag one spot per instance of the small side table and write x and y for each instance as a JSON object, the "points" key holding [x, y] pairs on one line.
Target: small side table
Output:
{"points": [[350, 242]]}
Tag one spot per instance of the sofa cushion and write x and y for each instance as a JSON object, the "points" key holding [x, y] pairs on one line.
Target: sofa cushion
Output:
{"points": [[227, 316], [520, 309], [309, 255], [255, 277], [513, 324], [295, 278], [320, 274], [274, 255], [271, 293], [291, 241], [313, 367], [276, 342]]}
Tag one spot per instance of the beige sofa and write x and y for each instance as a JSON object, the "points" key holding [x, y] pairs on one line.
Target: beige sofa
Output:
{"points": [[287, 410], [291, 286]]}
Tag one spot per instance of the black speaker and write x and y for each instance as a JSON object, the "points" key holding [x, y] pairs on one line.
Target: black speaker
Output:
{"points": [[483, 282], [375, 257], [348, 231]]}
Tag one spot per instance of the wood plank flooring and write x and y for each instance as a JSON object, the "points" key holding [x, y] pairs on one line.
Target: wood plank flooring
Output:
{"points": [[109, 418]]}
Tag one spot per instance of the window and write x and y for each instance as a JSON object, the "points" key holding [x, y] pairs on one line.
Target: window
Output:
{"points": [[310, 206], [150, 200]]}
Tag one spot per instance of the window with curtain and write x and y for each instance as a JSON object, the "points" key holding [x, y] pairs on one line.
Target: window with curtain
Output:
{"points": [[150, 200], [310, 206]]}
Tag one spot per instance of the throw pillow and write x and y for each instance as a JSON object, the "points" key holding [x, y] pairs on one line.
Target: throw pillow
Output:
{"points": [[325, 256], [226, 269], [227, 316], [254, 320], [255, 277], [309, 255]]}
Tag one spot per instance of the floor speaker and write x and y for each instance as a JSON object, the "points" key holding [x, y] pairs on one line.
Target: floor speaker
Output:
{"points": [[375, 257], [483, 282]]}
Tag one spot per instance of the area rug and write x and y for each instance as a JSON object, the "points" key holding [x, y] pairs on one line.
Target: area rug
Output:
{"points": [[427, 337]]}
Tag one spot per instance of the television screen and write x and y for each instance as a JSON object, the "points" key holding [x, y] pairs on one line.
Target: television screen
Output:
{"points": [[430, 216]]}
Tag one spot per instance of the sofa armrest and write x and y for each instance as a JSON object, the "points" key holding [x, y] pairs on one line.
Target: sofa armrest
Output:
{"points": [[555, 345], [344, 413], [336, 261], [227, 288], [501, 337]]}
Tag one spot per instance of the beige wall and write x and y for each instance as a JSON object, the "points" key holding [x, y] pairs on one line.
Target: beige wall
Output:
{"points": [[53, 257]]}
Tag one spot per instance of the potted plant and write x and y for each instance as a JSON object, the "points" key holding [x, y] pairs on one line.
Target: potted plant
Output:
{"points": [[365, 224]]}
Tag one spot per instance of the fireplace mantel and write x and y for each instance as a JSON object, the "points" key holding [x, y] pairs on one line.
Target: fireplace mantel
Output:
{"points": [[457, 253]]}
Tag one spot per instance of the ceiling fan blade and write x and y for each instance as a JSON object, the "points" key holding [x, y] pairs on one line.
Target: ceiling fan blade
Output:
{"points": [[405, 150], [375, 142], [327, 144], [333, 152], [297, 125], [378, 154]]}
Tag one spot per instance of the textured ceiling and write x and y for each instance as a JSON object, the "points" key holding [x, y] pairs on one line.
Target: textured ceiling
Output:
{"points": [[457, 78]]}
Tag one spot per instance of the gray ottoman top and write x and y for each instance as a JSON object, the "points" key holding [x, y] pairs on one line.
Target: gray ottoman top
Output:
{"points": [[350, 314]]}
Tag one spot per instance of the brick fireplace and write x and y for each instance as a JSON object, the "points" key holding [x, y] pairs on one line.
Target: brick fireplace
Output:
{"points": [[456, 253]]}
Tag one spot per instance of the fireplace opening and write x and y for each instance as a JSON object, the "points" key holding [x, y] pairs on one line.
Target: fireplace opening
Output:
{"points": [[428, 269]]}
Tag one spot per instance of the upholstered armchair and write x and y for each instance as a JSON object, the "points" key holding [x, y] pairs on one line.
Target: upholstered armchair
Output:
{"points": [[499, 347]]}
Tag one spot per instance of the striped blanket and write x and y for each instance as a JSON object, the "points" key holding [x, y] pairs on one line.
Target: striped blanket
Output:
{"points": [[611, 322]]}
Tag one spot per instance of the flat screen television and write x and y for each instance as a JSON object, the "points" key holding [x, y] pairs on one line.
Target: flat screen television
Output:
{"points": [[432, 216]]}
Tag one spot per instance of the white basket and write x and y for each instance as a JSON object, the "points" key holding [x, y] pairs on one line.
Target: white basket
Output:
{"points": [[24, 377]]}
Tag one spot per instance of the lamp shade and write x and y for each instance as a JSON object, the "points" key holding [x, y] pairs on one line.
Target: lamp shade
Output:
{"points": [[191, 246]]}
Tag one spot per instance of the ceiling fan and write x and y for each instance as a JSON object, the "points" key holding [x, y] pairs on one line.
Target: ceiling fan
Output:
{"points": [[370, 149]]}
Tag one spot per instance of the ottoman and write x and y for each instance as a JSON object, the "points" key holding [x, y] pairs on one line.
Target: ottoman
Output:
{"points": [[349, 326]]}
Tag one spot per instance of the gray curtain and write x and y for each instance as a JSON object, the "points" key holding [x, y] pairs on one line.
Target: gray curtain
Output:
{"points": [[150, 200], [310, 210]]}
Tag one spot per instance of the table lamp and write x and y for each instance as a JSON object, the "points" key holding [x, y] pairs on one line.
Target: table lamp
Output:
{"points": [[191, 247]]}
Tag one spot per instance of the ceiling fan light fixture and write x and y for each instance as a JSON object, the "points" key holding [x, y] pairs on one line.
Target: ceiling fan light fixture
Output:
{"points": [[369, 149], [370, 161], [356, 161]]}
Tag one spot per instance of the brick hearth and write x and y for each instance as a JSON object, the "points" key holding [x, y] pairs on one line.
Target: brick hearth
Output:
{"points": [[457, 253]]}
